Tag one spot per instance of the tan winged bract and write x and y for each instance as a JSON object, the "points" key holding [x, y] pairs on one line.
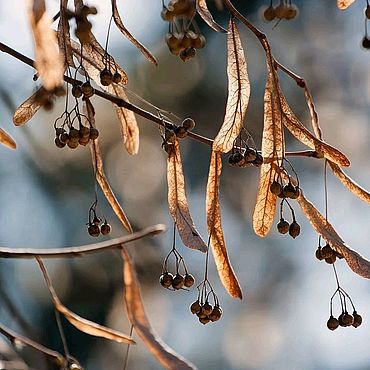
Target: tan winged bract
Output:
{"points": [[127, 119], [344, 4], [64, 39], [80, 323], [272, 152], [301, 133], [27, 109], [7, 140], [213, 210], [206, 15], [118, 21], [314, 116], [168, 358], [350, 184], [238, 92], [178, 204], [47, 61], [100, 175], [355, 261]]}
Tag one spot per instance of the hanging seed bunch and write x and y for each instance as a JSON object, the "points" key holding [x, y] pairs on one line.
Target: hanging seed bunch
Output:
{"points": [[170, 133], [71, 132], [207, 306], [327, 254], [243, 156], [366, 40], [180, 278], [184, 37], [345, 319], [95, 226], [284, 10], [110, 72]]}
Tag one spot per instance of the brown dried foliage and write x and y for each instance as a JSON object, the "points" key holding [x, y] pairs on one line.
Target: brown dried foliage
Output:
{"points": [[64, 38], [7, 140], [213, 210], [27, 109], [178, 204], [344, 4], [238, 92], [206, 15], [168, 358]]}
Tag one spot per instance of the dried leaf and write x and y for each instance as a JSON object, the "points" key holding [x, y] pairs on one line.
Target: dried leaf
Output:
{"points": [[27, 109], [178, 204], [213, 210], [355, 261], [64, 39], [127, 119], [238, 94], [203, 11], [314, 116], [350, 184], [272, 151], [118, 21], [100, 175], [344, 4], [300, 132], [80, 323], [48, 62], [168, 358], [7, 140]]}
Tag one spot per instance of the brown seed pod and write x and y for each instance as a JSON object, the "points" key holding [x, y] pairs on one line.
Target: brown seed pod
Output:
{"points": [[167, 15], [73, 144], [168, 147], [367, 12], [207, 308], [294, 229], [169, 136], [357, 319], [340, 320], [327, 251], [59, 131], [187, 54], [172, 40], [297, 192], [166, 279], [289, 190], [94, 230], [332, 323], [276, 188], [178, 282], [77, 91], [189, 280], [87, 89], [201, 314], [83, 141], [94, 133], [250, 155], [269, 14], [64, 138], [188, 124], [199, 42], [283, 226], [195, 307], [204, 320], [58, 143], [84, 132], [291, 12], [74, 133], [258, 161], [117, 78], [318, 254], [105, 228], [366, 43], [96, 221], [330, 260], [235, 159], [281, 11], [216, 313], [106, 77], [181, 132], [347, 319]]}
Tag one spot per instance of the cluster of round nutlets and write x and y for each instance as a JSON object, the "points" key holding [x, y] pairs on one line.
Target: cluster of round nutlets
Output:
{"points": [[177, 281], [75, 137], [327, 253], [284, 227], [247, 158], [107, 77], [344, 319], [285, 191], [284, 10], [180, 132], [182, 40], [85, 90], [96, 227], [206, 312]]}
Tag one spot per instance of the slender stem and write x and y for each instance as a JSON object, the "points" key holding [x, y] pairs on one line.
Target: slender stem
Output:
{"points": [[128, 349]]}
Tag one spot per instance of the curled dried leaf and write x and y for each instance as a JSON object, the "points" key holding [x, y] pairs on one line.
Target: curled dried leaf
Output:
{"points": [[127, 119], [27, 109], [213, 210], [344, 4], [48, 62], [118, 21], [272, 152], [64, 39], [80, 323], [206, 15], [355, 261], [178, 203], [168, 358], [314, 116], [300, 132], [350, 184], [7, 140], [238, 92], [100, 175]]}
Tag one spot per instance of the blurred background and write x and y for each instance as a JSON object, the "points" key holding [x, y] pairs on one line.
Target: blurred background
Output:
{"points": [[45, 194]]}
